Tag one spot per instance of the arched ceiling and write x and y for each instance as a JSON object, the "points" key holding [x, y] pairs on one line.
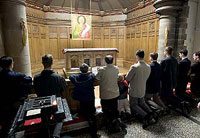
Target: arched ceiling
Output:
{"points": [[87, 5]]}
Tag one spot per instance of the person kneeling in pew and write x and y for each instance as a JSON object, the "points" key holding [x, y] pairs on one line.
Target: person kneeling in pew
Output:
{"points": [[84, 93]]}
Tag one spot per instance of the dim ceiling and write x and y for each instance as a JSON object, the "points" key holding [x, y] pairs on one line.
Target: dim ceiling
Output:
{"points": [[91, 5]]}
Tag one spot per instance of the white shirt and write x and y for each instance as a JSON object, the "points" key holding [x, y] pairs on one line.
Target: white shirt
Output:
{"points": [[108, 77]]}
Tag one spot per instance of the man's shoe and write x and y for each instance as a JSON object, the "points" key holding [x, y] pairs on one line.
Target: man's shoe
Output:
{"points": [[145, 123], [185, 108], [123, 116]]}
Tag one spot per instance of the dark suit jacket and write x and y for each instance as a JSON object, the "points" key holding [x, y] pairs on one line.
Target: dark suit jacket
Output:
{"points": [[195, 78], [49, 83], [182, 78], [153, 82], [14, 86], [84, 86], [169, 68]]}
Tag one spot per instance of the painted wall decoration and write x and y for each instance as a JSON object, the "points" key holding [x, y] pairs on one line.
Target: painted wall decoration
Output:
{"points": [[81, 27]]}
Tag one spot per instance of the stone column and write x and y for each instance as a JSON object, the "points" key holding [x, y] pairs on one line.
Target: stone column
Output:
{"points": [[14, 12], [2, 52], [191, 26], [168, 11], [197, 31]]}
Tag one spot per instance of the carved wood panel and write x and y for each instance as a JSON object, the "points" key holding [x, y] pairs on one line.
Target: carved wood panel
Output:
{"points": [[97, 33], [35, 30], [52, 32], [63, 32], [106, 33], [113, 33]]}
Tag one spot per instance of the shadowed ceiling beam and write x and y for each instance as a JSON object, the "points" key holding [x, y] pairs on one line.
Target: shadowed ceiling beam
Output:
{"points": [[131, 2], [100, 5], [89, 5], [48, 2], [76, 4], [35, 1], [63, 3], [110, 4], [122, 4]]}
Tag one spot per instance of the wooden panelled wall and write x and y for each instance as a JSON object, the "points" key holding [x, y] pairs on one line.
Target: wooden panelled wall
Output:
{"points": [[45, 39], [142, 35], [142, 27], [139, 32]]}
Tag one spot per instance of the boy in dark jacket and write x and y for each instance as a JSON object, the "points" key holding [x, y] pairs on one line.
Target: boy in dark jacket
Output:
{"points": [[153, 82], [183, 71], [169, 66], [84, 93], [195, 76]]}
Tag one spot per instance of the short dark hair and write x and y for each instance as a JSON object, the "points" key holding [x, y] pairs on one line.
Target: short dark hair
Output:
{"points": [[5, 62], [184, 52], [198, 54], [1, 61], [84, 68], [140, 53], [154, 55], [109, 59], [47, 60], [169, 50], [195, 53]]}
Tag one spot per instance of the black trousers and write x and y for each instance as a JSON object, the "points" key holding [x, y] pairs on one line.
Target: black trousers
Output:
{"points": [[7, 116], [181, 86], [169, 98], [109, 108], [88, 110], [187, 97]]}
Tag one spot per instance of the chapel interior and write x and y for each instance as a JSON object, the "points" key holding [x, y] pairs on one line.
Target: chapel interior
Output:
{"points": [[30, 29]]}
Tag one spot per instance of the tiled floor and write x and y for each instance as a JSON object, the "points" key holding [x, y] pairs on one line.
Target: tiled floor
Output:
{"points": [[171, 126]]}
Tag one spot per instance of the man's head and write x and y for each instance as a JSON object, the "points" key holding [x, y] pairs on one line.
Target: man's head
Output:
{"points": [[140, 55], [6, 62], [194, 56], [84, 68], [168, 51], [183, 53], [121, 78], [153, 56], [109, 59], [47, 61], [197, 56]]}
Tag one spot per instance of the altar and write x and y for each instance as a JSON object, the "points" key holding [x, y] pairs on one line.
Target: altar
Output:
{"points": [[91, 56]]}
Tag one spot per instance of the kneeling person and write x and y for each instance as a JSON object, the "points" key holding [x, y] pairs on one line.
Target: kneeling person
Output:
{"points": [[153, 84], [84, 93], [48, 82], [137, 76], [123, 103]]}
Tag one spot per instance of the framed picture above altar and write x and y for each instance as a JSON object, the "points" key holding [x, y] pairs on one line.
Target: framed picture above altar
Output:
{"points": [[81, 27]]}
